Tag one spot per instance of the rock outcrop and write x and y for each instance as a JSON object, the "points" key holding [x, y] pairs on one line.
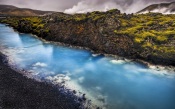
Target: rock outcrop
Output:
{"points": [[130, 36]]}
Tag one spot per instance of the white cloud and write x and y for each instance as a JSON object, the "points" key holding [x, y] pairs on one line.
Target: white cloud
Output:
{"points": [[89, 6], [74, 6]]}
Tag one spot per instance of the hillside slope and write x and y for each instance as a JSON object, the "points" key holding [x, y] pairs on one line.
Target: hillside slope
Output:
{"points": [[164, 8], [8, 10]]}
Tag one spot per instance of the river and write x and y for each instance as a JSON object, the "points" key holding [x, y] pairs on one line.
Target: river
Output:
{"points": [[106, 81]]}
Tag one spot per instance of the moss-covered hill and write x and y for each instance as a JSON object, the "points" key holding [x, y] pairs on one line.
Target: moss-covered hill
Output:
{"points": [[149, 37]]}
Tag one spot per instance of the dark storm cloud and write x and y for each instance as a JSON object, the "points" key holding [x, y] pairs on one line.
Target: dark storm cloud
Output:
{"points": [[73, 6]]}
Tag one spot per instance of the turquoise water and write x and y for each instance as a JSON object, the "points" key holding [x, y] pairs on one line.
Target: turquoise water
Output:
{"points": [[108, 82]]}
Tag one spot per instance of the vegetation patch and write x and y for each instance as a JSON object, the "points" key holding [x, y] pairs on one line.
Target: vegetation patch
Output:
{"points": [[149, 35], [153, 30]]}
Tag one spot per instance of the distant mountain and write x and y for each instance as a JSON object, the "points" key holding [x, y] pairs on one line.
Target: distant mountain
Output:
{"points": [[164, 8], [8, 10]]}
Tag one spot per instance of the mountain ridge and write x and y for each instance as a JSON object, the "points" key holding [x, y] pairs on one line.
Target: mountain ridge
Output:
{"points": [[164, 8], [9, 10]]}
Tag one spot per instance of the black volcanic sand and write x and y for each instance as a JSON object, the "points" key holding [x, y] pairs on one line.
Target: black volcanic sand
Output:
{"points": [[19, 92]]}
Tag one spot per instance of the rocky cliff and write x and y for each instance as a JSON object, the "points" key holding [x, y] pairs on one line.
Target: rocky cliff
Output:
{"points": [[149, 37]]}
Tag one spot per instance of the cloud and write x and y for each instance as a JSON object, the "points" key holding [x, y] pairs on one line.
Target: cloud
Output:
{"points": [[77, 6], [127, 6], [89, 6], [49, 5]]}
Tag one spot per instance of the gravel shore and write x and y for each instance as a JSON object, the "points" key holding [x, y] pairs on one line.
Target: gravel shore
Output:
{"points": [[20, 92]]}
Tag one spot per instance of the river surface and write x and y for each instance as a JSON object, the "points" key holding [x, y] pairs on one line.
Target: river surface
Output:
{"points": [[108, 82]]}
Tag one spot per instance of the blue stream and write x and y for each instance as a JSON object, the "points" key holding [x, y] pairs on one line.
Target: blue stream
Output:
{"points": [[113, 83]]}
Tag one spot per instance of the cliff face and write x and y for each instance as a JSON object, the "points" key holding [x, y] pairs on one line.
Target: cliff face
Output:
{"points": [[97, 34], [131, 36]]}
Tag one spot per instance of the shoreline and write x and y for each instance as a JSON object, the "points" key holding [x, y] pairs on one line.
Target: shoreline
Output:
{"points": [[18, 91], [23, 72], [142, 62]]}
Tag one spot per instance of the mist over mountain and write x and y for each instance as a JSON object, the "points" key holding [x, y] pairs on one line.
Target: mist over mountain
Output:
{"points": [[81, 6], [165, 8]]}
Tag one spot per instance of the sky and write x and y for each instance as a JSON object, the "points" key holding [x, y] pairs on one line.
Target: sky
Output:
{"points": [[80, 6]]}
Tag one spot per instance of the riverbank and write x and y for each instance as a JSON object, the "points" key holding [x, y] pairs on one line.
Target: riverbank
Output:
{"points": [[107, 82], [106, 33], [147, 64], [17, 91]]}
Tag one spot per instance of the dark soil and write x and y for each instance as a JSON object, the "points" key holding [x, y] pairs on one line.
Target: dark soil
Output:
{"points": [[20, 92]]}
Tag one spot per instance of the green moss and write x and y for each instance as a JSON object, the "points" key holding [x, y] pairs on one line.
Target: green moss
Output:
{"points": [[147, 44], [146, 34], [35, 25], [162, 38], [47, 31], [154, 31], [113, 10], [138, 40], [150, 23], [124, 23]]}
